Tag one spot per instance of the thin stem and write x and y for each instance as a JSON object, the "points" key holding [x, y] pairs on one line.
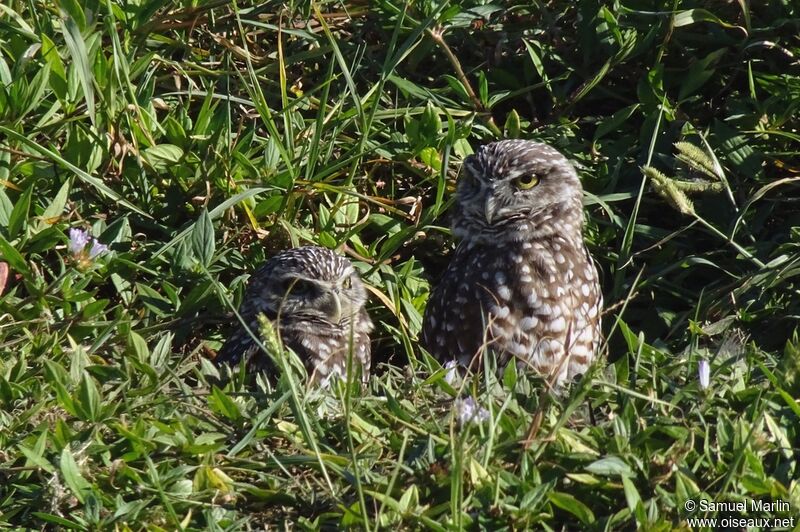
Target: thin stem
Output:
{"points": [[437, 35], [732, 242]]}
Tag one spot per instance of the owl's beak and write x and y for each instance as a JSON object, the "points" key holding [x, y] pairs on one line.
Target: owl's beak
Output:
{"points": [[490, 209], [332, 306]]}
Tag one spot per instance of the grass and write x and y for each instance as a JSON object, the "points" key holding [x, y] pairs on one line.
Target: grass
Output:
{"points": [[197, 139]]}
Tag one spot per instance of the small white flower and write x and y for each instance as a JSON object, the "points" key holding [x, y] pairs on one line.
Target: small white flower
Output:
{"points": [[469, 411], [451, 376], [704, 373], [78, 239]]}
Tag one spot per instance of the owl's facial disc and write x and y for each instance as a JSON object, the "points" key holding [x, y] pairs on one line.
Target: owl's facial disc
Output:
{"points": [[333, 301], [498, 199], [505, 183]]}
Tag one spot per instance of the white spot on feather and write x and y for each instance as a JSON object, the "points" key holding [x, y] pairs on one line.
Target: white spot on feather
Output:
{"points": [[504, 292], [501, 312], [557, 325]]}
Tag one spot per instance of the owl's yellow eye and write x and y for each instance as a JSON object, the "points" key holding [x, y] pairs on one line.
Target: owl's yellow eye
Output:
{"points": [[347, 283], [526, 181]]}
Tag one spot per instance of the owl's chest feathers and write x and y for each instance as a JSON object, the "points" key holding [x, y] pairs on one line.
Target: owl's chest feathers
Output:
{"points": [[524, 289], [325, 346], [533, 272]]}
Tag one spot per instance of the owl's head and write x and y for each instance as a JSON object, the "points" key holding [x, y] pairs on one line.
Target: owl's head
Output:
{"points": [[311, 284], [506, 184]]}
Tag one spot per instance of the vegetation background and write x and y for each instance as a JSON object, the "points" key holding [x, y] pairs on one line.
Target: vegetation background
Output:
{"points": [[196, 139]]}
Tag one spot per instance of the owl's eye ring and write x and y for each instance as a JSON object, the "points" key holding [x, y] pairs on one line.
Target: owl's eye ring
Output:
{"points": [[526, 181]]}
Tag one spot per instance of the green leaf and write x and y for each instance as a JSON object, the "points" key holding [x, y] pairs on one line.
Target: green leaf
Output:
{"points": [[203, 238], [409, 501], [590, 84], [610, 465], [512, 126], [632, 496], [80, 59], [567, 502], [50, 518], [19, 216], [6, 392], [510, 376], [89, 400], [24, 28], [13, 257], [614, 122], [162, 156], [72, 475], [58, 74], [74, 10], [35, 458], [430, 125], [219, 402], [138, 346], [537, 63], [53, 211], [5, 173], [430, 157], [57, 377], [455, 85], [691, 16], [483, 88], [327, 240], [154, 301], [699, 73], [268, 206]]}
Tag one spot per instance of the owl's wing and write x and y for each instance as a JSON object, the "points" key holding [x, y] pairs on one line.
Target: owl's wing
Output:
{"points": [[454, 326], [240, 345]]}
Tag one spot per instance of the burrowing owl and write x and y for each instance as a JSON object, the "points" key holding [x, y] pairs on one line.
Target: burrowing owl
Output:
{"points": [[315, 299], [521, 283]]}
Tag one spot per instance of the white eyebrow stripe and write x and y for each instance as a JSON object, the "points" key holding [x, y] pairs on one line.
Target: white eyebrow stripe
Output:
{"points": [[519, 172]]}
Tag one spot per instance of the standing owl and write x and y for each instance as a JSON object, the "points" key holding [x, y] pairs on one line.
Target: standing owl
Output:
{"points": [[315, 300], [521, 283]]}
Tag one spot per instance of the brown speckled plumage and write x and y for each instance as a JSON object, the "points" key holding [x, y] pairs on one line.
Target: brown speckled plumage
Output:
{"points": [[521, 283], [315, 299]]}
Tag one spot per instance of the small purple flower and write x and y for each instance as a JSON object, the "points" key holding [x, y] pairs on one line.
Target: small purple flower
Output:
{"points": [[704, 373], [78, 239], [84, 248], [469, 411], [97, 248]]}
